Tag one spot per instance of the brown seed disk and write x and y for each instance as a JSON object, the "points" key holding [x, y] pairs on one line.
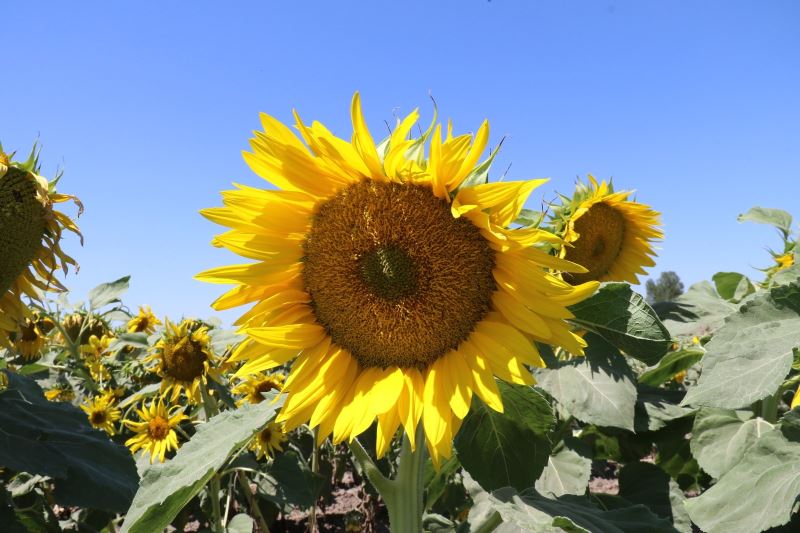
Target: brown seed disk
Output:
{"points": [[184, 360], [393, 277], [602, 231], [158, 428], [22, 225]]}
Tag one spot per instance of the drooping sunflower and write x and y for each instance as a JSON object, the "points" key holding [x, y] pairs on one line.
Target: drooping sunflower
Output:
{"points": [[155, 432], [81, 326], [31, 337], [144, 322], [30, 239], [394, 279], [606, 233], [254, 386], [102, 413], [183, 359], [268, 441]]}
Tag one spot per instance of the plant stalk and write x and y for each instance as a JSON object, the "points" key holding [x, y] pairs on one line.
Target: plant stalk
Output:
{"points": [[244, 484]]}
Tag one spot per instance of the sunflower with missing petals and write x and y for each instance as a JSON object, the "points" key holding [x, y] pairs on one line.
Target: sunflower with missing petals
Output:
{"points": [[254, 386], [183, 359], [144, 322], [606, 233], [268, 441], [30, 239], [155, 433], [102, 413], [394, 280]]}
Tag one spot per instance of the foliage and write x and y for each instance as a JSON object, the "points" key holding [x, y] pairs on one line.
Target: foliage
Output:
{"points": [[666, 288]]}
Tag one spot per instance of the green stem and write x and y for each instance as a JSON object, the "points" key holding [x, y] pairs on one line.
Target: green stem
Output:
{"points": [[215, 508], [312, 513], [244, 484]]}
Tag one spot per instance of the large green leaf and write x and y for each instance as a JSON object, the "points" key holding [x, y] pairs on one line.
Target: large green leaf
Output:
{"points": [[766, 215], [657, 407], [759, 492], [289, 481], [720, 438], [732, 285], [107, 293], [566, 472], [490, 444], [166, 488], [748, 358], [701, 311], [624, 319], [596, 389], [669, 366], [55, 439]]}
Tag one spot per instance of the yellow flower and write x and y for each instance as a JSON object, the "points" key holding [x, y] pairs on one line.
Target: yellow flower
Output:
{"points": [[784, 261], [61, 392], [608, 234], [30, 237], [154, 431], [795, 399], [81, 327], [96, 347], [31, 337], [393, 279], [3, 379], [102, 413], [183, 359], [98, 370], [268, 441], [680, 376], [256, 385], [144, 322]]}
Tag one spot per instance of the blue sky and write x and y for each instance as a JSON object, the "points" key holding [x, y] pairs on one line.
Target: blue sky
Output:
{"points": [[147, 107]]}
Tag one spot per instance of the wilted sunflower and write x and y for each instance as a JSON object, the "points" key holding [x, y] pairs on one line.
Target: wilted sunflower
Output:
{"points": [[183, 359], [394, 280], [81, 327], [268, 441], [31, 337], [609, 235], [155, 432], [102, 413], [144, 322], [254, 386], [30, 237]]}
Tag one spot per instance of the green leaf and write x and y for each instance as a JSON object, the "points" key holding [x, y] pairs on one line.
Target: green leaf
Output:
{"points": [[647, 484], [624, 319], [135, 340], [669, 366], [732, 285], [765, 215], [748, 358], [529, 218], [166, 488], [241, 523], [655, 408], [488, 443], [566, 473], [703, 311], [107, 293], [597, 389], [757, 493], [435, 481], [289, 481], [720, 438], [55, 439]]}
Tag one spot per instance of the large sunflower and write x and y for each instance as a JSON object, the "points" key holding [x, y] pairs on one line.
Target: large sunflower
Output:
{"points": [[30, 237], [393, 279], [606, 233]]}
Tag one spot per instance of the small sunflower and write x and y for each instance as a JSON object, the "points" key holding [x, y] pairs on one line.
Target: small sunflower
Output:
{"points": [[98, 370], [397, 282], [254, 386], [81, 327], [183, 359], [606, 233], [30, 236], [61, 392], [96, 347], [31, 337], [268, 441], [102, 413], [155, 432], [144, 322]]}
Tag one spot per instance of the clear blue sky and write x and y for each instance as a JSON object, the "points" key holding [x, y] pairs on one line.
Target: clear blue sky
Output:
{"points": [[147, 107]]}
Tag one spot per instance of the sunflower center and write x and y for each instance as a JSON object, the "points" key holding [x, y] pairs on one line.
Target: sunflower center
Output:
{"points": [[261, 388], [393, 277], [184, 360], [22, 225], [602, 232], [158, 428], [97, 418], [28, 332]]}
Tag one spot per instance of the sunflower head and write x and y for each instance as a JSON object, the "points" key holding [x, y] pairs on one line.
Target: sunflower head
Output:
{"points": [[154, 432], [183, 359], [62, 391], [392, 274], [82, 326], [603, 231], [254, 386], [268, 441], [144, 322], [102, 413], [31, 337]]}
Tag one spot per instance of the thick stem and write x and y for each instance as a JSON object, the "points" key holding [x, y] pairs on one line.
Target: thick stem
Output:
{"points": [[214, 488], [251, 502], [405, 511], [312, 513]]}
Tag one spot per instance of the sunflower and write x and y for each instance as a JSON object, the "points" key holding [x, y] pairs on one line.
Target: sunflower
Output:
{"points": [[81, 327], [30, 237], [393, 279], [254, 386], [61, 392], [31, 337], [95, 347], [606, 233], [102, 413], [268, 441], [155, 431], [144, 322], [183, 359]]}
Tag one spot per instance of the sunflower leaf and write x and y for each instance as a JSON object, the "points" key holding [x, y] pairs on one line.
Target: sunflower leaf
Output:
{"points": [[701, 311], [766, 215], [624, 319], [567, 472], [733, 286], [107, 293], [166, 488], [669, 366]]}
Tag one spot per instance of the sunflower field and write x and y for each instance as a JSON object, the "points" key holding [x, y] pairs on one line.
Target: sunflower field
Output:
{"points": [[416, 351]]}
